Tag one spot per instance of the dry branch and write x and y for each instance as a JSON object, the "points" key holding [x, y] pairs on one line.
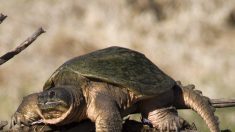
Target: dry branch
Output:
{"points": [[218, 103], [2, 18], [88, 126], [21, 47], [128, 126], [222, 103]]}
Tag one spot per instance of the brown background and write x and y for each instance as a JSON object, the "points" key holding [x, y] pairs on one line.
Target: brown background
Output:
{"points": [[192, 41]]}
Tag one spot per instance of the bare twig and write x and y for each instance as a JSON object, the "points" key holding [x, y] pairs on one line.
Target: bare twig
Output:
{"points": [[2, 18], [218, 103], [222, 103], [21, 47]]}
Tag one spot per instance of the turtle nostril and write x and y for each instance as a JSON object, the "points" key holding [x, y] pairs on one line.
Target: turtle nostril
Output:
{"points": [[51, 94]]}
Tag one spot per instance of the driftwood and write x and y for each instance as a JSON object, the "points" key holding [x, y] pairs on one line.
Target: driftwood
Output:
{"points": [[88, 126], [22, 46]]}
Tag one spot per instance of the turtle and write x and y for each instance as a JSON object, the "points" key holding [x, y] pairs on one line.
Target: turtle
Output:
{"points": [[108, 84]]}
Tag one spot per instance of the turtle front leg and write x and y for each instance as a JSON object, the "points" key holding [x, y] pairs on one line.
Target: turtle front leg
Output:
{"points": [[109, 122], [167, 119], [104, 112]]}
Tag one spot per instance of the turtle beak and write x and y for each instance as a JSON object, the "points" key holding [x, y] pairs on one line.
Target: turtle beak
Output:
{"points": [[47, 100], [53, 99], [37, 122]]}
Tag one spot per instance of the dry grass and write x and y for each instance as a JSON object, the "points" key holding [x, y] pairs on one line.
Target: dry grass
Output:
{"points": [[191, 40]]}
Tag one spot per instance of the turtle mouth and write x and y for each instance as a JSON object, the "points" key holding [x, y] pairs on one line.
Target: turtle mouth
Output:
{"points": [[37, 122], [50, 105], [53, 109], [54, 117]]}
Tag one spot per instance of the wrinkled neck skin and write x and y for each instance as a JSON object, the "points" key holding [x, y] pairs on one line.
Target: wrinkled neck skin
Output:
{"points": [[76, 111]]}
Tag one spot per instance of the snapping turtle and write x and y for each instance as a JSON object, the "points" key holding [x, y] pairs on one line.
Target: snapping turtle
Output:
{"points": [[108, 84]]}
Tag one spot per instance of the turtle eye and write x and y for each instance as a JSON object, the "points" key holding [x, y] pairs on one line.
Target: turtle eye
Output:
{"points": [[51, 94]]}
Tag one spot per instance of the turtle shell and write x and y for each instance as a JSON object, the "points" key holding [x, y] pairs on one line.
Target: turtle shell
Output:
{"points": [[120, 66]]}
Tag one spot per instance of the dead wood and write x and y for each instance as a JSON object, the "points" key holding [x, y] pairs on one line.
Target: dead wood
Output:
{"points": [[222, 103], [21, 47], [219, 103], [2, 17], [88, 126]]}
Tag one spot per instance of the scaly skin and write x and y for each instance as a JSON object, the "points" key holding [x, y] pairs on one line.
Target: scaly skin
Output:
{"points": [[106, 104], [202, 106]]}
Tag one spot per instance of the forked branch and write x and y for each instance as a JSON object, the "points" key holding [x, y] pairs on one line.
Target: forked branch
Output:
{"points": [[21, 47]]}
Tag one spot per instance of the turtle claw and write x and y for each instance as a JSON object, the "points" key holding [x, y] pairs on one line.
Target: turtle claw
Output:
{"points": [[146, 122], [170, 124], [167, 119]]}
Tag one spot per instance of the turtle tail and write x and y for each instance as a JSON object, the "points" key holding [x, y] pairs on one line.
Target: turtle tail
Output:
{"points": [[187, 96]]}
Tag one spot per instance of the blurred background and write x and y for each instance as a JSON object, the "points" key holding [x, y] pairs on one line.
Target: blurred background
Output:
{"points": [[192, 41]]}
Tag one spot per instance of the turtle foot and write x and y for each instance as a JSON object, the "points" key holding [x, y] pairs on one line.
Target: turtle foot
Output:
{"points": [[167, 119]]}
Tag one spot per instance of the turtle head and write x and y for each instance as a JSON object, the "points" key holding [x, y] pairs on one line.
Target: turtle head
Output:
{"points": [[54, 101], [58, 104]]}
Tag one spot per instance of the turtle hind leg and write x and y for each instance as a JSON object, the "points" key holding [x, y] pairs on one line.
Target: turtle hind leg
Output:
{"points": [[187, 96], [158, 112], [167, 119]]}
